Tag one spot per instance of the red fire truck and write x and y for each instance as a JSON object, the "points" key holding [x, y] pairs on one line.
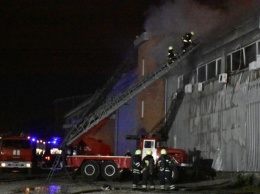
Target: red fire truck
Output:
{"points": [[90, 162], [93, 157], [16, 152]]}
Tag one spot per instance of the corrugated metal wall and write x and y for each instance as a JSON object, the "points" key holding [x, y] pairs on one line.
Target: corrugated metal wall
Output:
{"points": [[223, 122]]}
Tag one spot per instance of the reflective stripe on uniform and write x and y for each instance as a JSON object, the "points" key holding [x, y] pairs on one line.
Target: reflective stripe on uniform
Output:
{"points": [[172, 187], [143, 186], [136, 171]]}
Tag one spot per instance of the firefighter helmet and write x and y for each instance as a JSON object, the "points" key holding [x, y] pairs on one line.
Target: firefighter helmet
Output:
{"points": [[148, 152], [170, 48], [192, 33], [163, 151], [138, 152]]}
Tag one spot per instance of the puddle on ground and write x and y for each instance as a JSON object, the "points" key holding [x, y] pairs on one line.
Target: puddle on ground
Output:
{"points": [[52, 189]]}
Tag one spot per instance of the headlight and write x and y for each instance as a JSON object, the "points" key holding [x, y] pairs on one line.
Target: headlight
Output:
{"points": [[28, 165], [3, 164]]}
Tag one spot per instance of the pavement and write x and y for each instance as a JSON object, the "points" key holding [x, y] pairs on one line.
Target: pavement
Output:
{"points": [[63, 184]]}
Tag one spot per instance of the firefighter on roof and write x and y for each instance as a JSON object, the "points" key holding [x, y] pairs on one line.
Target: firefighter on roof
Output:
{"points": [[171, 55], [136, 168], [148, 167], [186, 40], [165, 164]]}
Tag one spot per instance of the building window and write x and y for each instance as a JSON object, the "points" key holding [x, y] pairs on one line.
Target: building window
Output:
{"points": [[211, 70], [194, 76], [149, 144], [187, 78], [218, 66], [250, 54], [259, 48], [202, 73], [180, 82], [238, 60], [228, 64]]}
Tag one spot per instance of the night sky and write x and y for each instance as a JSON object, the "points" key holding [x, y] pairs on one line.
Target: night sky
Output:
{"points": [[53, 49]]}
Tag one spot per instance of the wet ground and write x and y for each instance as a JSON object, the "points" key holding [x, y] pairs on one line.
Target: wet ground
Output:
{"points": [[62, 183]]}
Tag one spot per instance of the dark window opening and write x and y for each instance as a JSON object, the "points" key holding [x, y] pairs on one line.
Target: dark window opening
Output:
{"points": [[259, 48], [194, 76], [202, 74], [228, 64], [211, 70], [218, 66], [238, 60], [181, 81], [187, 78], [149, 144], [250, 54]]}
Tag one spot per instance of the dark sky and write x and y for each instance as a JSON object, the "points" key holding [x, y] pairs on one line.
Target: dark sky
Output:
{"points": [[52, 49]]}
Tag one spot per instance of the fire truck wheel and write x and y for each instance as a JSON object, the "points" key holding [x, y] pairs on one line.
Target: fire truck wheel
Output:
{"points": [[175, 173], [90, 170], [109, 170]]}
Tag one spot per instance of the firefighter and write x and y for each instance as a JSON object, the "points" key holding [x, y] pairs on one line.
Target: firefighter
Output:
{"points": [[147, 171], [186, 40], [136, 168], [171, 55], [165, 164]]}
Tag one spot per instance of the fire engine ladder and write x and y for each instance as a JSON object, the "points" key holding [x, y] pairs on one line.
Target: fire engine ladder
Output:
{"points": [[58, 159], [99, 96], [164, 125], [85, 108], [112, 104]]}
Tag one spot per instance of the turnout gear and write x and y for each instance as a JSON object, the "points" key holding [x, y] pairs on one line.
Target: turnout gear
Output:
{"points": [[136, 168], [148, 167], [165, 164], [171, 55], [186, 39]]}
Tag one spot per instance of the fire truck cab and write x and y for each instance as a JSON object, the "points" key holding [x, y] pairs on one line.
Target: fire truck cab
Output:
{"points": [[16, 152], [155, 145]]}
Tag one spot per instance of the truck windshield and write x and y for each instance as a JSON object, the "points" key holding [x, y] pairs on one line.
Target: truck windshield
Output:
{"points": [[149, 144], [16, 143], [161, 144]]}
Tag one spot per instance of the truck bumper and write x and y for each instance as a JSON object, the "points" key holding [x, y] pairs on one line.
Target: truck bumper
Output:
{"points": [[11, 164]]}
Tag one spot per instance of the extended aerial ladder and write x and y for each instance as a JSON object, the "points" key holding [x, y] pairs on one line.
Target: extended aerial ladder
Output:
{"points": [[111, 105], [83, 109], [163, 127]]}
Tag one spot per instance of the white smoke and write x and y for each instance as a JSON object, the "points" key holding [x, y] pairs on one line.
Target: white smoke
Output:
{"points": [[181, 16]]}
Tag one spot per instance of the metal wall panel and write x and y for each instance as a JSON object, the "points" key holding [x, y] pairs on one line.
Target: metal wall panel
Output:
{"points": [[223, 125]]}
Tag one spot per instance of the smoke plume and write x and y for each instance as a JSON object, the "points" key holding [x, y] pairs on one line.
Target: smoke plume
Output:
{"points": [[201, 16]]}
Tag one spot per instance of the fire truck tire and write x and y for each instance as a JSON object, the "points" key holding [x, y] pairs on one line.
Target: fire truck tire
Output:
{"points": [[109, 170], [90, 170], [175, 173]]}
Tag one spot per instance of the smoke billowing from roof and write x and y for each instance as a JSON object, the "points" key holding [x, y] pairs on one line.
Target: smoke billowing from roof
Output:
{"points": [[176, 17]]}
